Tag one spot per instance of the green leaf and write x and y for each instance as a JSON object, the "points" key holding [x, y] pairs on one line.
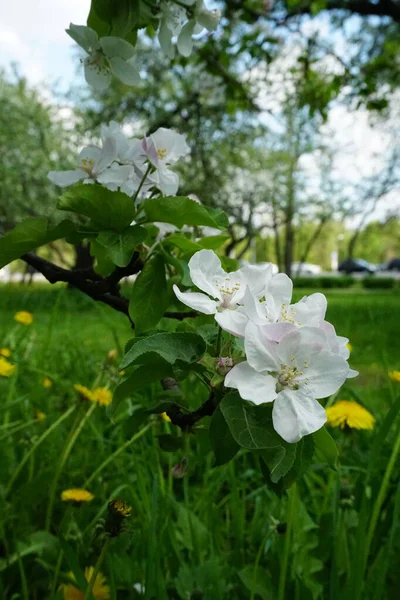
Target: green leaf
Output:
{"points": [[73, 563], [221, 439], [149, 298], [213, 242], [325, 446], [250, 425], [258, 582], [103, 265], [121, 245], [182, 242], [132, 424], [167, 348], [180, 211], [140, 378], [29, 235], [170, 443], [279, 460], [106, 209]]}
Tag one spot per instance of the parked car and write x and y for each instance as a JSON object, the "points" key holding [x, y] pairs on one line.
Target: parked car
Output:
{"points": [[356, 265], [305, 269], [393, 265]]}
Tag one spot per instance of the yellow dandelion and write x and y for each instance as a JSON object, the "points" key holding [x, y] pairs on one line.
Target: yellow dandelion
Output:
{"points": [[47, 383], [120, 507], [102, 396], [23, 317], [349, 347], [84, 392], [112, 354], [40, 416], [6, 368], [76, 495], [5, 352], [394, 376], [165, 417], [100, 590], [349, 414]]}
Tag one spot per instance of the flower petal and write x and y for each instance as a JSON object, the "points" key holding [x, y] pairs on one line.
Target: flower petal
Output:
{"points": [[197, 301], [310, 310], [165, 39], [257, 277], [325, 373], [185, 41], [125, 71], [261, 353], [114, 46], [205, 267], [257, 387], [168, 181], [280, 288], [232, 321], [117, 174], [170, 141], [66, 178], [296, 414], [86, 37], [98, 76]]}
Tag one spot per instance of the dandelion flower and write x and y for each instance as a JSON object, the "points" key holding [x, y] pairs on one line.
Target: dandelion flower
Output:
{"points": [[165, 417], [112, 354], [394, 376], [47, 383], [40, 416], [349, 414], [6, 368], [76, 495], [23, 317], [84, 392], [100, 590], [349, 347], [102, 396], [117, 512], [5, 352]]}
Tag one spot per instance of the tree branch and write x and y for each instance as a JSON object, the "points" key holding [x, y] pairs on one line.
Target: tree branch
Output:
{"points": [[186, 421], [101, 289]]}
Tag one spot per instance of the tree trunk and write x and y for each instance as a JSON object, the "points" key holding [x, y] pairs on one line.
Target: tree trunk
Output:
{"points": [[311, 243]]}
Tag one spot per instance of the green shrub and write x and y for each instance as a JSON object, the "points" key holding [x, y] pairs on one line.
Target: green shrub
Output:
{"points": [[323, 282], [382, 283]]}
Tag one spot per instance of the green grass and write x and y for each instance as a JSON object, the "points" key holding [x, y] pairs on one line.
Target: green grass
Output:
{"points": [[213, 534]]}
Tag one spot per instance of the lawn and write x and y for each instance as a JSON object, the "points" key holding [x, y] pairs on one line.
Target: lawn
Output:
{"points": [[217, 533]]}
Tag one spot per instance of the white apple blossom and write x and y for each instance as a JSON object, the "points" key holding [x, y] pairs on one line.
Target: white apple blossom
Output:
{"points": [[107, 56], [182, 22], [292, 373], [224, 292], [92, 162], [163, 148]]}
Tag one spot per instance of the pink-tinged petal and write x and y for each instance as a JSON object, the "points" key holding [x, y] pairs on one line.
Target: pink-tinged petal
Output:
{"points": [[295, 414], [289, 348], [257, 387], [276, 331], [66, 178], [205, 268], [232, 321], [261, 353], [324, 375], [197, 301]]}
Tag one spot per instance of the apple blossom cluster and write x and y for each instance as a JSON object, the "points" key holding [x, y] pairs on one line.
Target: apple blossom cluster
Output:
{"points": [[293, 355], [129, 165], [110, 55]]}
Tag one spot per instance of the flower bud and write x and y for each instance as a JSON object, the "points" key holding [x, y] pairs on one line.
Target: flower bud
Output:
{"points": [[180, 470], [224, 364]]}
